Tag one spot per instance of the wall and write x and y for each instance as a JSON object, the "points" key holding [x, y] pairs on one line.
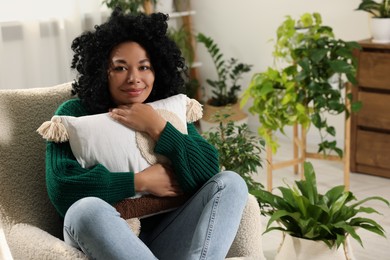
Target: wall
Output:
{"points": [[35, 39], [244, 29]]}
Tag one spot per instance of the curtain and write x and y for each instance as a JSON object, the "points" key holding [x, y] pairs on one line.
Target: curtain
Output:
{"points": [[35, 39]]}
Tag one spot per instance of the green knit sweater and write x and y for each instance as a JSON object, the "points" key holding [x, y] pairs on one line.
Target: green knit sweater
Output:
{"points": [[194, 162]]}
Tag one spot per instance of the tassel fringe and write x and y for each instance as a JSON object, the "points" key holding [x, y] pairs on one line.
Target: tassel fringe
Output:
{"points": [[194, 110], [54, 130]]}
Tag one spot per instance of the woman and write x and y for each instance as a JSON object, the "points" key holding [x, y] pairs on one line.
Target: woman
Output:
{"points": [[122, 64]]}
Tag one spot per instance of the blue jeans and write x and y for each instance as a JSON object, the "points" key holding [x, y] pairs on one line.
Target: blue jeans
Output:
{"points": [[203, 228]]}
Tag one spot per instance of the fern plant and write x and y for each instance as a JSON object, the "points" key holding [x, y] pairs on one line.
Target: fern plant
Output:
{"points": [[226, 88], [304, 213]]}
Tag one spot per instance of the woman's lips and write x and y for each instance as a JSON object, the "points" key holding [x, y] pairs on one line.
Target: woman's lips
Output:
{"points": [[134, 92]]}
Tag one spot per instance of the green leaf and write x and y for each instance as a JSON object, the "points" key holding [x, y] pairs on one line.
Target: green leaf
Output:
{"points": [[266, 88], [331, 130], [333, 194], [340, 66], [318, 54], [371, 198], [356, 106], [282, 213], [350, 230], [310, 182]]}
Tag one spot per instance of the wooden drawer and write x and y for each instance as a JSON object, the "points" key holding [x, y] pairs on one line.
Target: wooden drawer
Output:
{"points": [[373, 149], [374, 70], [375, 112]]}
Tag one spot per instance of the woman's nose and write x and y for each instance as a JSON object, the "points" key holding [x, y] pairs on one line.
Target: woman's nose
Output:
{"points": [[133, 76]]}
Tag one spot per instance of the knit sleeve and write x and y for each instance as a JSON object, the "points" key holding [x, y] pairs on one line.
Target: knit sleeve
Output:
{"points": [[194, 160], [67, 181]]}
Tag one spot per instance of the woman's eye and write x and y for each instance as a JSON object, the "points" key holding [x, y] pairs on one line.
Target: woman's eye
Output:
{"points": [[120, 68], [144, 68]]}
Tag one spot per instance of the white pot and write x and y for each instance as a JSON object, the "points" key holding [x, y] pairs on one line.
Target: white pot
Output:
{"points": [[293, 248], [164, 6], [380, 30]]}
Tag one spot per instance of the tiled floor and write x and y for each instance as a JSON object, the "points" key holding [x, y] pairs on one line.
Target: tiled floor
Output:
{"points": [[330, 174]]}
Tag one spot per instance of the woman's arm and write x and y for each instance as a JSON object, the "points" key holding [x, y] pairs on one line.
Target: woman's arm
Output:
{"points": [[193, 159]]}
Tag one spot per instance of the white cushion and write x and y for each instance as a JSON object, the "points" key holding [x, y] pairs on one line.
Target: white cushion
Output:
{"points": [[100, 139]]}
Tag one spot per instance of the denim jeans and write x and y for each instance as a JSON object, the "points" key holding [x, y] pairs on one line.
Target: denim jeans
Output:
{"points": [[203, 228]]}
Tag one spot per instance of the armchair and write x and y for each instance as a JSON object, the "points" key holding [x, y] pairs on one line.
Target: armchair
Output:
{"points": [[32, 228]]}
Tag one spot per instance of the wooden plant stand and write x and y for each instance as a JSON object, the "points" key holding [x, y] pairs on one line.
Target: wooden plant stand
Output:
{"points": [[300, 153]]}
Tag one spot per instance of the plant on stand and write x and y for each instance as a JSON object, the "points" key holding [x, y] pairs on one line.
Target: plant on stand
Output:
{"points": [[226, 88], [301, 212], [317, 66], [380, 20]]}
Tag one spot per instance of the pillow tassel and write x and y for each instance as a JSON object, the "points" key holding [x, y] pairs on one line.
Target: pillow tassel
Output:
{"points": [[54, 130], [194, 110]]}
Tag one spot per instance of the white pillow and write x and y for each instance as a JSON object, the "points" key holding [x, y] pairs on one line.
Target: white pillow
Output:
{"points": [[100, 139]]}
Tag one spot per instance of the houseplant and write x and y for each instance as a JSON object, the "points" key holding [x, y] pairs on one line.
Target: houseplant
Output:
{"points": [[316, 67], [225, 89], [302, 212], [238, 148], [380, 20]]}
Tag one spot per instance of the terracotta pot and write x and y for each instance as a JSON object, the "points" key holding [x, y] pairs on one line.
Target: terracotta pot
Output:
{"points": [[234, 110], [293, 248], [237, 115]]}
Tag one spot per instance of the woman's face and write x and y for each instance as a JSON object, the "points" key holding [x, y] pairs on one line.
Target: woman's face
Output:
{"points": [[130, 74]]}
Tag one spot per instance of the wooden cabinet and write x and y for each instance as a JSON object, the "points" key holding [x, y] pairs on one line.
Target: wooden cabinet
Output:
{"points": [[370, 127]]}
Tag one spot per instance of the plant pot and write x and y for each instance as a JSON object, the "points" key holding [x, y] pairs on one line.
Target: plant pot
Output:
{"points": [[380, 30], [165, 6], [293, 248], [207, 122]]}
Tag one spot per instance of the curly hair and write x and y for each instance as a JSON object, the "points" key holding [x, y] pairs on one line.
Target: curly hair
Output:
{"points": [[92, 51]]}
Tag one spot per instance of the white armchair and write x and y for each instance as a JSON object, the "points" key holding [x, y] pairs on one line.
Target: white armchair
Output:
{"points": [[32, 228]]}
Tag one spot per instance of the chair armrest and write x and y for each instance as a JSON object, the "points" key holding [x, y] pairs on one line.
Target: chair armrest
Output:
{"points": [[29, 242], [248, 241]]}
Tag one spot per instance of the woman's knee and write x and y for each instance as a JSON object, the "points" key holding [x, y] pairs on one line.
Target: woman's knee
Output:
{"points": [[234, 182], [87, 210]]}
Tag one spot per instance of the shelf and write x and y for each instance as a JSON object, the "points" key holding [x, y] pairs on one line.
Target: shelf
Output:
{"points": [[181, 14], [196, 64]]}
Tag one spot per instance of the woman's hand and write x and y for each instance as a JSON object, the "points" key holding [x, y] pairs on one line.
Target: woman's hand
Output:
{"points": [[158, 180], [140, 117]]}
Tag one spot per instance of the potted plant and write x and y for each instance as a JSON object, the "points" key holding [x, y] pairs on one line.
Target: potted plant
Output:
{"points": [[226, 88], [238, 148], [380, 20], [303, 214], [309, 85]]}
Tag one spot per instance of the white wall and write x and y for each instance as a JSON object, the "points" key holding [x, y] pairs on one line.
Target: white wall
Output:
{"points": [[243, 29]]}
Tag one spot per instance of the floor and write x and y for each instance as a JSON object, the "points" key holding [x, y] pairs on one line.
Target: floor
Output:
{"points": [[329, 174]]}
